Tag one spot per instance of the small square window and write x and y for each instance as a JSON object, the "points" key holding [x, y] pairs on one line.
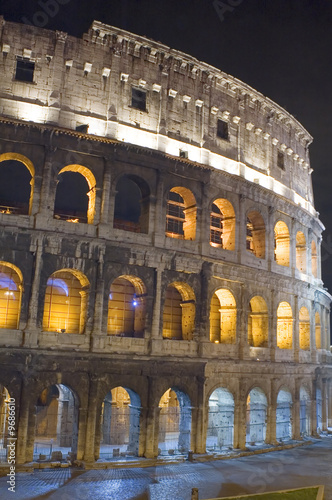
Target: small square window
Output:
{"points": [[222, 129], [281, 160], [24, 70], [138, 99]]}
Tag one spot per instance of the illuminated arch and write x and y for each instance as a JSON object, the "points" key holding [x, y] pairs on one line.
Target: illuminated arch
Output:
{"points": [[255, 236], [127, 307], [179, 312], [222, 224], [132, 204], [120, 423], [223, 317], [29, 165], [284, 326], [220, 420], [318, 333], [91, 181], [258, 322], [174, 422], [256, 416], [281, 243], [284, 415], [11, 287], [181, 214], [56, 424], [65, 303], [301, 252], [304, 329], [314, 259]]}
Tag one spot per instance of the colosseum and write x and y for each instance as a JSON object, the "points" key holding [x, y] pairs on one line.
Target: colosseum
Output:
{"points": [[160, 283]]}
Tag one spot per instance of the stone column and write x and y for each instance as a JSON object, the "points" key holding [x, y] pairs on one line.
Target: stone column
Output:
{"points": [[159, 219], [241, 229], [269, 237], [99, 301], [105, 200], [242, 322], [92, 421], [324, 405], [82, 427], [47, 196], [271, 428], [296, 323], [329, 402], [23, 425], [292, 243], [313, 347], [313, 412], [31, 332], [156, 336], [152, 432], [273, 323], [296, 414], [240, 427]]}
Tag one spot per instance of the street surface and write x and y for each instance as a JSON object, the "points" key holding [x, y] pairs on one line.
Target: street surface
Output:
{"points": [[308, 465]]}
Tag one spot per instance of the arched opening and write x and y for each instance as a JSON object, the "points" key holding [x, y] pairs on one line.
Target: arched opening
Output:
{"points": [[131, 209], [314, 259], [56, 425], [223, 317], [75, 196], [301, 252], [318, 336], [222, 225], [181, 214], [258, 323], [256, 417], [120, 424], [11, 287], [65, 303], [284, 415], [126, 307], [284, 326], [16, 196], [304, 329], [255, 236], [319, 410], [305, 404], [179, 312], [174, 422], [5, 407], [281, 244], [220, 429]]}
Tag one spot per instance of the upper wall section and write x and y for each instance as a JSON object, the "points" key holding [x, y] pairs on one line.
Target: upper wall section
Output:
{"points": [[123, 86]]}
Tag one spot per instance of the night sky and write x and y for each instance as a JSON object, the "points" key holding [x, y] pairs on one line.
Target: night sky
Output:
{"points": [[282, 48]]}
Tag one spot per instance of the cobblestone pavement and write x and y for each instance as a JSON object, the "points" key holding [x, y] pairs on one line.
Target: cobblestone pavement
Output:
{"points": [[305, 466]]}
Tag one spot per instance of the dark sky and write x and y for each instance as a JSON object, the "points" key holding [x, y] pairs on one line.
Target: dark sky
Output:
{"points": [[282, 48]]}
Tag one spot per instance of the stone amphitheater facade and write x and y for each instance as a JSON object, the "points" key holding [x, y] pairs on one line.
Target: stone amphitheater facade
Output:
{"points": [[160, 254]]}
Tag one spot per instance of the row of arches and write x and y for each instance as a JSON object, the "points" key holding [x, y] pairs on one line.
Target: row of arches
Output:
{"points": [[118, 426], [66, 298], [75, 199]]}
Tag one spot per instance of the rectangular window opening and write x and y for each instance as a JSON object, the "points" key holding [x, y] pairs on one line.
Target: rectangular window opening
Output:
{"points": [[222, 129], [24, 70], [281, 160], [138, 99]]}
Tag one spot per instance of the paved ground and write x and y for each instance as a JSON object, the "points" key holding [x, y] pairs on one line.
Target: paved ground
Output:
{"points": [[305, 466]]}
